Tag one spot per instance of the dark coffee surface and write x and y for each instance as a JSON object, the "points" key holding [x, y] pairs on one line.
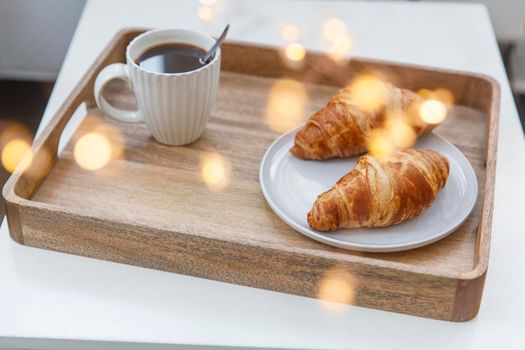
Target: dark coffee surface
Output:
{"points": [[171, 58]]}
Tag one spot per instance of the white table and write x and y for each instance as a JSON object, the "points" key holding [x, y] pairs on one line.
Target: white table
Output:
{"points": [[54, 300]]}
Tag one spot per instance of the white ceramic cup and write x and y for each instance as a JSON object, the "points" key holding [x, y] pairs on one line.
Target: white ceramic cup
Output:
{"points": [[176, 106]]}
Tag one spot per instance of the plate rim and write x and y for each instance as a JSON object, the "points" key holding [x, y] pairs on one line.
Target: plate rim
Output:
{"points": [[358, 246]]}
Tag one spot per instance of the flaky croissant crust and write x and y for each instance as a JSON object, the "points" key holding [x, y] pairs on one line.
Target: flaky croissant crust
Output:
{"points": [[379, 193], [341, 127]]}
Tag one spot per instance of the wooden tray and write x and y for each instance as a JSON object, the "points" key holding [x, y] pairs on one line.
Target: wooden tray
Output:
{"points": [[149, 206]]}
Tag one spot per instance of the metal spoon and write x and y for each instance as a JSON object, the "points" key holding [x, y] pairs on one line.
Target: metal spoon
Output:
{"points": [[210, 54]]}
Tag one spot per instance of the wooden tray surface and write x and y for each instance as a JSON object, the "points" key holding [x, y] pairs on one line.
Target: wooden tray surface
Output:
{"points": [[150, 206]]}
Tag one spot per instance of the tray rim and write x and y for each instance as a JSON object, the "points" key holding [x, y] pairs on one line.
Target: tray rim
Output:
{"points": [[79, 95]]}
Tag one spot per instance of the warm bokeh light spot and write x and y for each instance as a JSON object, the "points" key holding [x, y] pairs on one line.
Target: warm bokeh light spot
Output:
{"points": [[92, 151], [368, 92], [401, 134], [342, 44], [337, 286], [286, 105], [333, 29], [206, 13], [340, 48], [295, 52], [432, 111], [290, 32], [443, 95], [208, 2], [215, 171], [425, 93], [379, 143], [14, 154]]}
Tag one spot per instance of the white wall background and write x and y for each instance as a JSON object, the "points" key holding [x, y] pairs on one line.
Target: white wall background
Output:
{"points": [[507, 16], [35, 35], [508, 19]]}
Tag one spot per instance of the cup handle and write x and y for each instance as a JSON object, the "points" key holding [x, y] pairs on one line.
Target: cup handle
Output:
{"points": [[114, 71]]}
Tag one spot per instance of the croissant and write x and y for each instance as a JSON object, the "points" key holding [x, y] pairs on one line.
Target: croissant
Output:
{"points": [[340, 129], [379, 193]]}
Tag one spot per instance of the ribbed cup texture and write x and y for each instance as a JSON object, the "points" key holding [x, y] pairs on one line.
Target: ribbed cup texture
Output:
{"points": [[176, 107]]}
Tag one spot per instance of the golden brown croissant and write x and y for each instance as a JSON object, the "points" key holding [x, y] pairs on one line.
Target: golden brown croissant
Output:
{"points": [[340, 129], [378, 193]]}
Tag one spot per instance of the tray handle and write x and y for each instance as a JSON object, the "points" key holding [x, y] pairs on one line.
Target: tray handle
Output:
{"points": [[23, 183]]}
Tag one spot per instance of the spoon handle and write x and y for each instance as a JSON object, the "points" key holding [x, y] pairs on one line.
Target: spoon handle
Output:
{"points": [[215, 46]]}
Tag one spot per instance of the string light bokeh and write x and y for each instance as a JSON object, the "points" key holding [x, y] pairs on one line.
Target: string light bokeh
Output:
{"points": [[92, 151], [208, 2], [336, 289], [367, 92], [286, 105], [15, 146], [399, 132], [16, 153], [210, 12], [335, 32], [206, 13], [379, 144], [435, 107], [433, 111], [295, 52], [290, 33], [341, 46], [333, 29], [97, 144], [215, 171]]}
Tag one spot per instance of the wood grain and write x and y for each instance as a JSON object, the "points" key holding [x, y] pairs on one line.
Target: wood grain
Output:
{"points": [[150, 205]]}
